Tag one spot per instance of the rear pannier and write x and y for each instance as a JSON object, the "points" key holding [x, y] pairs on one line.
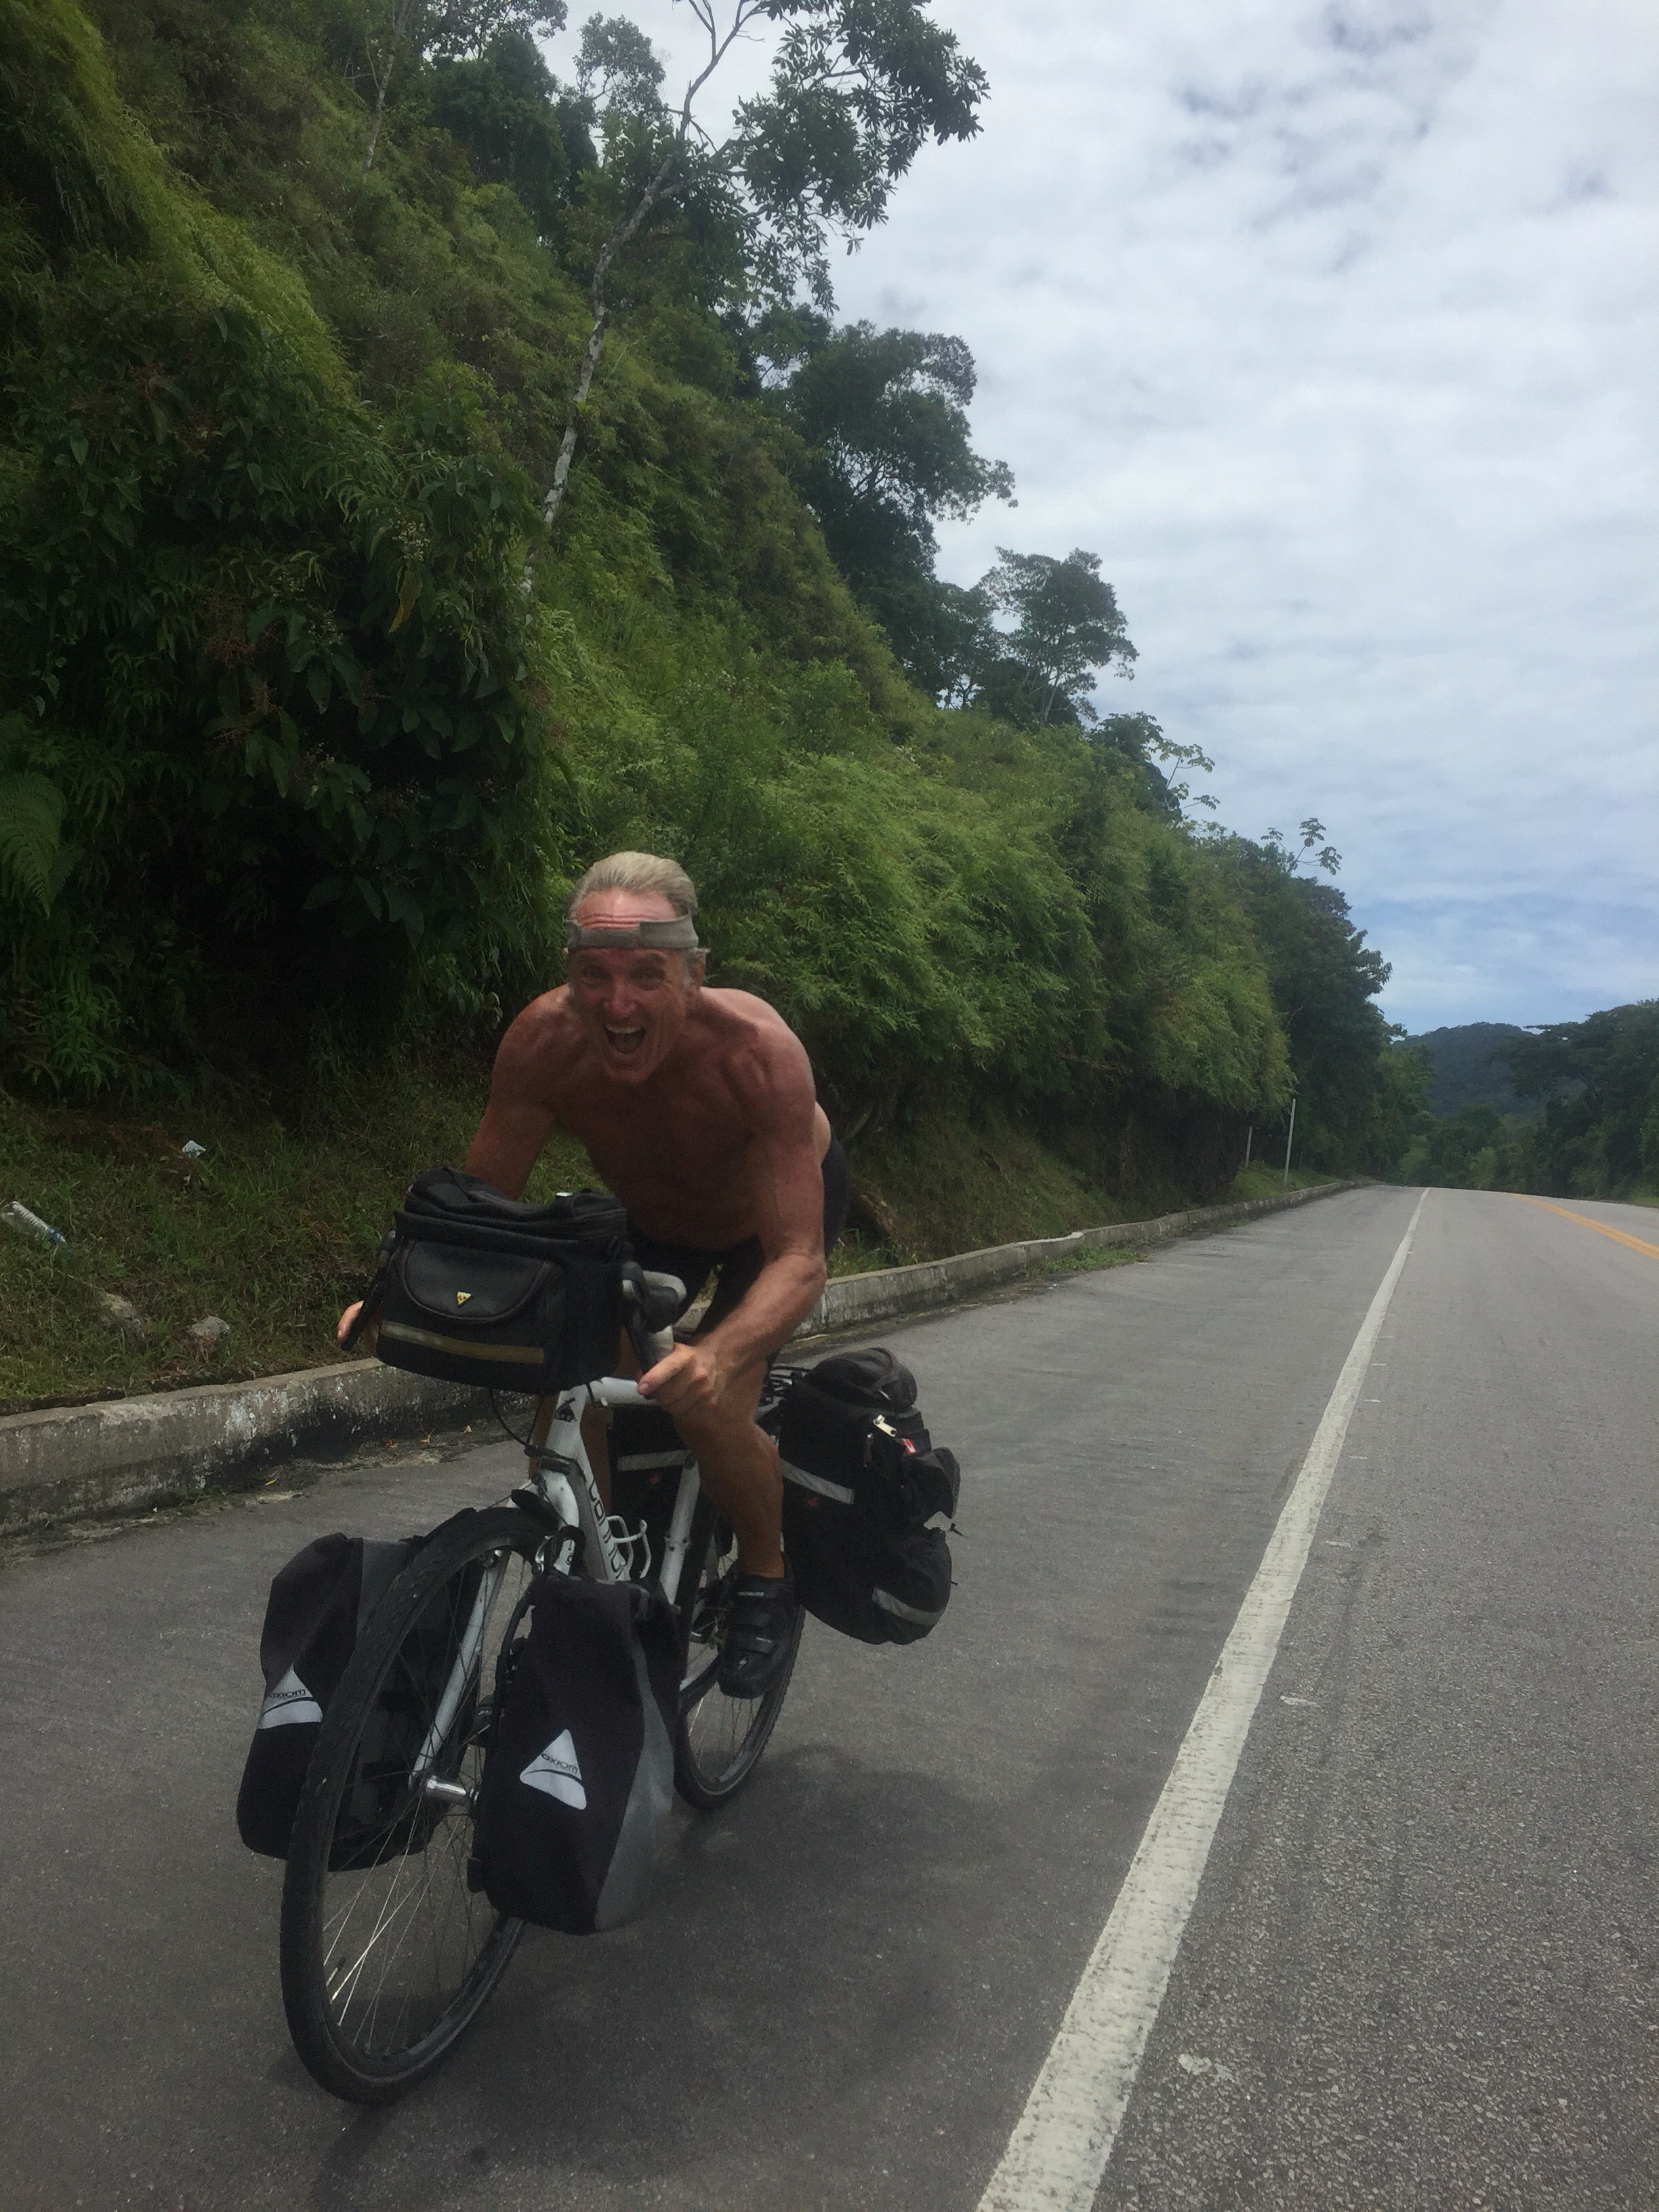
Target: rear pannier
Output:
{"points": [[867, 1498], [476, 1288]]}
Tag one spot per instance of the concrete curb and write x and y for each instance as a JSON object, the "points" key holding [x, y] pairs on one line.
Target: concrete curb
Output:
{"points": [[129, 1453], [851, 1300]]}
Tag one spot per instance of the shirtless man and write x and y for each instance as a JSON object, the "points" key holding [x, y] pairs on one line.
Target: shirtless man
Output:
{"points": [[697, 1107]]}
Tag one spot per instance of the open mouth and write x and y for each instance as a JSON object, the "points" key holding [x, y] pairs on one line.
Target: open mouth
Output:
{"points": [[625, 1043]]}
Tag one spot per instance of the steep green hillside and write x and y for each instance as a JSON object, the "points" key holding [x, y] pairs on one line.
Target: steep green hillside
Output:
{"points": [[308, 716]]}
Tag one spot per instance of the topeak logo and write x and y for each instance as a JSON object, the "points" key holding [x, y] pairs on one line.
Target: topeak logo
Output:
{"points": [[461, 1297]]}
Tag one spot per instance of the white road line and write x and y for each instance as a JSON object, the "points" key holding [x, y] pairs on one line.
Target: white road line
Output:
{"points": [[1057, 2154]]}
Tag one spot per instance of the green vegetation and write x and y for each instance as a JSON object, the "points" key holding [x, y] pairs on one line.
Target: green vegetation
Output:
{"points": [[1262, 1179], [311, 312], [1468, 1066], [1595, 1133]]}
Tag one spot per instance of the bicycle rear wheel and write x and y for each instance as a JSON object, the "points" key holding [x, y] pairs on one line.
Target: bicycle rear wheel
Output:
{"points": [[719, 1738], [387, 1951]]}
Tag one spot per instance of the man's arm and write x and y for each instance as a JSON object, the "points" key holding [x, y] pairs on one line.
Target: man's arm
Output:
{"points": [[509, 1138], [517, 1122]]}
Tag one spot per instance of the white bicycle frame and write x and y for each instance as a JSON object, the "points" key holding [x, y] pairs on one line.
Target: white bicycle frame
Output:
{"points": [[561, 1471]]}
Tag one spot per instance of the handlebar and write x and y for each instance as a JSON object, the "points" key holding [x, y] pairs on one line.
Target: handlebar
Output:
{"points": [[650, 1301]]}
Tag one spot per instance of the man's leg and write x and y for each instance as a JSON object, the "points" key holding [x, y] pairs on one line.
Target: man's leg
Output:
{"points": [[739, 1467]]}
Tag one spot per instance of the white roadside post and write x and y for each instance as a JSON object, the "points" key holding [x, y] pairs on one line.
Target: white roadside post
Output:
{"points": [[1290, 1139]]}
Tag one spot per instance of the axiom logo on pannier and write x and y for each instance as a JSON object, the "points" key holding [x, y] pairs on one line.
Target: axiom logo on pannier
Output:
{"points": [[558, 1771], [290, 1704]]}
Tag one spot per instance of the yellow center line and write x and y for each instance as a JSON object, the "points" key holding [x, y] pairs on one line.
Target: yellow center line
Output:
{"points": [[1601, 1228]]}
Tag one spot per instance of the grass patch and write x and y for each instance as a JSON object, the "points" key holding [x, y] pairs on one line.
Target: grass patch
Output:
{"points": [[1260, 1180], [952, 1183], [1090, 1260], [274, 1230]]}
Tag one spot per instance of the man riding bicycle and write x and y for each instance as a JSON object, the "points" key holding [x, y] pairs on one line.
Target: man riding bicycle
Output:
{"points": [[698, 1108]]}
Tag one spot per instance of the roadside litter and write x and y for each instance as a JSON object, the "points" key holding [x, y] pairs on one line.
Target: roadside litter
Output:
{"points": [[117, 1312], [18, 1217]]}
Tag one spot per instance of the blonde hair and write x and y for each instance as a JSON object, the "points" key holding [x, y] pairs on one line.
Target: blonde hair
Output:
{"points": [[646, 873]]}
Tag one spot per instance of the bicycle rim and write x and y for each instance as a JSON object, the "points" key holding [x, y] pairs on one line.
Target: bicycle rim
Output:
{"points": [[387, 1950], [720, 1739]]}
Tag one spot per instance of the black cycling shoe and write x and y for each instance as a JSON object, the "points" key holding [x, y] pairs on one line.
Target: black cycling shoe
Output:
{"points": [[760, 1629]]}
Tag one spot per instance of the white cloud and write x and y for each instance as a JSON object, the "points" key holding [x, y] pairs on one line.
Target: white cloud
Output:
{"points": [[1332, 330]]}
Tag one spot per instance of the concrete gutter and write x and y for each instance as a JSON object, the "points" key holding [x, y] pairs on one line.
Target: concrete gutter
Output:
{"points": [[127, 1453]]}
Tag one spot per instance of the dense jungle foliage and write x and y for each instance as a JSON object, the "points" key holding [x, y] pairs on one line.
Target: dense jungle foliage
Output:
{"points": [[1465, 1071], [1586, 1123], [308, 715]]}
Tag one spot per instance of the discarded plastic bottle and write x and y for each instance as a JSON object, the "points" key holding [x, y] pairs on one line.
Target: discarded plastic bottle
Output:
{"points": [[18, 1215]]}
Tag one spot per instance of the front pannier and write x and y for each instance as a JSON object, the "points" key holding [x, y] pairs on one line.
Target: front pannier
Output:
{"points": [[579, 1777], [477, 1288], [867, 1498], [319, 1604]]}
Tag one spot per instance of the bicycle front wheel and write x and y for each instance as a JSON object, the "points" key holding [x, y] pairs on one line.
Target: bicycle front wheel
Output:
{"points": [[719, 1738], [387, 1949]]}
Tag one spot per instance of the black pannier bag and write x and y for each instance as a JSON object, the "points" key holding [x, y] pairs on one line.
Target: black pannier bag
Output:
{"points": [[579, 1780], [319, 1604], [867, 1498], [474, 1287]]}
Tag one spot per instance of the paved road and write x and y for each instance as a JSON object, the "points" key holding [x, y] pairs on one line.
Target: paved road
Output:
{"points": [[1420, 1972]]}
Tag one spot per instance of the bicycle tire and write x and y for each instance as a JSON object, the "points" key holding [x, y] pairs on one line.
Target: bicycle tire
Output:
{"points": [[406, 1858], [718, 1740]]}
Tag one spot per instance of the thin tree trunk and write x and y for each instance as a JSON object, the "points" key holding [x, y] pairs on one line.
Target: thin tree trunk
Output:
{"points": [[380, 71], [595, 346], [718, 49], [381, 84]]}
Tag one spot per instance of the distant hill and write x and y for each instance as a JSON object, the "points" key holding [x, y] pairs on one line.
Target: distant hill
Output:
{"points": [[1465, 1073]]}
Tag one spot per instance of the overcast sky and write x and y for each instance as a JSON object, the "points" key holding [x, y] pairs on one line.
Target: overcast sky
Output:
{"points": [[1332, 330]]}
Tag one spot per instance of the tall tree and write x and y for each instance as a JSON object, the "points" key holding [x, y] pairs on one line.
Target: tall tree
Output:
{"points": [[394, 30], [858, 87], [883, 417], [1324, 978], [1066, 629], [519, 125], [1599, 1136]]}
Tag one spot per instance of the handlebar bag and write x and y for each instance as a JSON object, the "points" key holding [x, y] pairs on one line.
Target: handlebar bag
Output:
{"points": [[477, 1288], [868, 1496], [579, 1777]]}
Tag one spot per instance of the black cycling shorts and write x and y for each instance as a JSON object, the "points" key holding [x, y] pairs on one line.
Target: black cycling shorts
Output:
{"points": [[738, 1266]]}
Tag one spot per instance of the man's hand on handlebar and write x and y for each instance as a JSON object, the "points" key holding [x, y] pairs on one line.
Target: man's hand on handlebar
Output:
{"points": [[366, 1342], [690, 1380]]}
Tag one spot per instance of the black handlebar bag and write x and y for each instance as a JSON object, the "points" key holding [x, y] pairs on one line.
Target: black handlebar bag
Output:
{"points": [[477, 1288]]}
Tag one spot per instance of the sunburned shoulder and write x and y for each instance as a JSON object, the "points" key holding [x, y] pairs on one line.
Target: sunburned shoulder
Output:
{"points": [[751, 1043], [742, 1010], [545, 1023]]}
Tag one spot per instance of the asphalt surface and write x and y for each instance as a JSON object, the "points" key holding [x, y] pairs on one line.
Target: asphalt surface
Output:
{"points": [[1420, 1972]]}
